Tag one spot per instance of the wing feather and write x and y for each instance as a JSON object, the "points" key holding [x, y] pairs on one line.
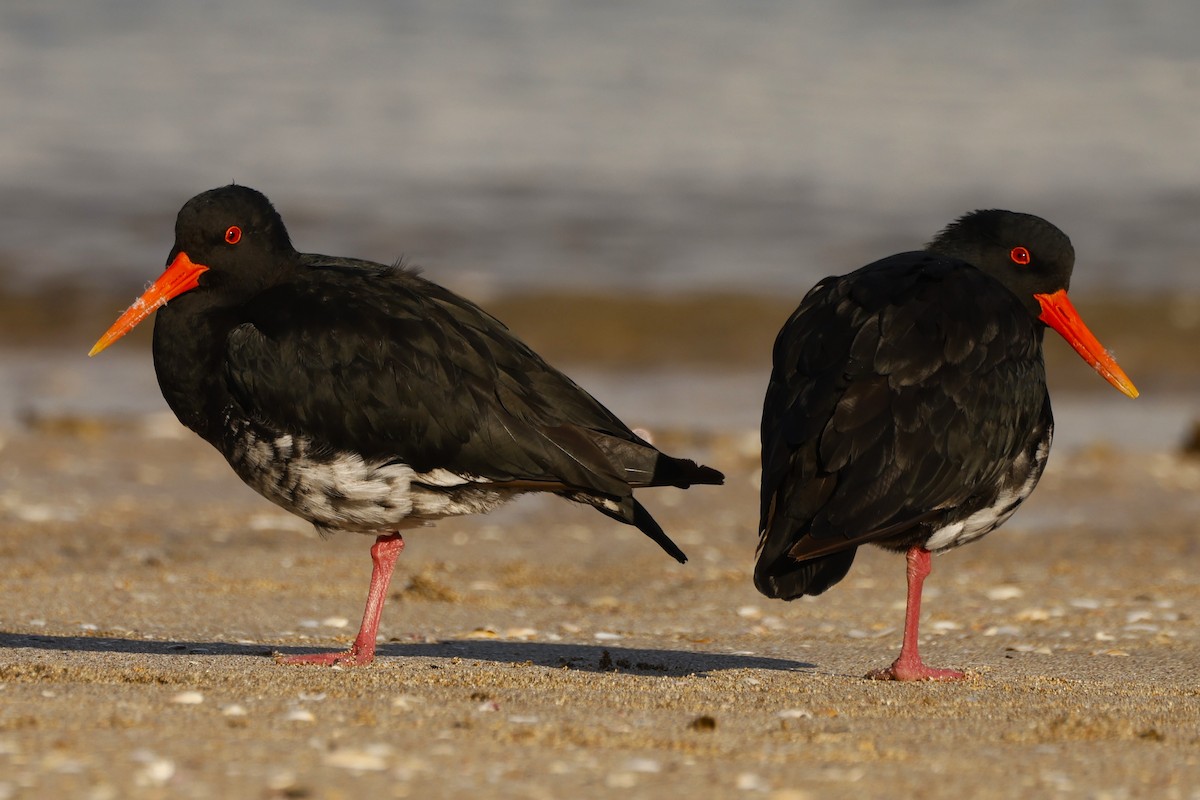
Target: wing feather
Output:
{"points": [[887, 405], [403, 369]]}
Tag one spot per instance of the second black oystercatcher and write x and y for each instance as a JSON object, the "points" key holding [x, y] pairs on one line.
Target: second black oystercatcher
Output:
{"points": [[907, 407], [365, 398]]}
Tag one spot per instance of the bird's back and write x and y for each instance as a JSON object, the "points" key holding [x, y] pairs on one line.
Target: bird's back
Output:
{"points": [[394, 365], [900, 396]]}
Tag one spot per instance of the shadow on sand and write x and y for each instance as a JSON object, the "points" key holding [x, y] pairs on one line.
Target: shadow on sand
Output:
{"points": [[583, 657]]}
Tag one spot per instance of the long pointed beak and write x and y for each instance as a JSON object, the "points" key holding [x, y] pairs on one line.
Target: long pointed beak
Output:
{"points": [[180, 276], [1059, 313]]}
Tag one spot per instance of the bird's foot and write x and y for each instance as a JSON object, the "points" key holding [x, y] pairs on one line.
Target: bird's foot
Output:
{"points": [[354, 657], [913, 671], [383, 560], [908, 666]]}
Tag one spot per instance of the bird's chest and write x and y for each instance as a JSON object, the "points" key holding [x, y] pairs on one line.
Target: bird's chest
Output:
{"points": [[342, 491], [331, 490], [987, 510]]}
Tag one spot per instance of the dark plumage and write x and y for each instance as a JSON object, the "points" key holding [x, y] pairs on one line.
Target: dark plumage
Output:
{"points": [[908, 408], [365, 398]]}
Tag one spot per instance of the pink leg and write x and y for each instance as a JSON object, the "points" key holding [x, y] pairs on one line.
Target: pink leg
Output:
{"points": [[384, 553], [909, 667]]}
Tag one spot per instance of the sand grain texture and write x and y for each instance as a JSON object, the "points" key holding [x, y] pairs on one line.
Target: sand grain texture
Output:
{"points": [[546, 651]]}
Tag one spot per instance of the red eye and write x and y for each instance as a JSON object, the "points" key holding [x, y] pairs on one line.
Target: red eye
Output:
{"points": [[234, 235], [1020, 255]]}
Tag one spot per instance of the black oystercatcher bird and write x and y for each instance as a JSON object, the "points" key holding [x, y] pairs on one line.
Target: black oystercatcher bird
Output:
{"points": [[908, 408], [365, 398]]}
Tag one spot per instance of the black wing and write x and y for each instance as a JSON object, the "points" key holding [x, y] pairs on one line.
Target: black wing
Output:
{"points": [[897, 393], [380, 361]]}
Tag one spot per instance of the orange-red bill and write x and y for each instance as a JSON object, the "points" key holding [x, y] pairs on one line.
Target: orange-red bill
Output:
{"points": [[180, 276], [1059, 313]]}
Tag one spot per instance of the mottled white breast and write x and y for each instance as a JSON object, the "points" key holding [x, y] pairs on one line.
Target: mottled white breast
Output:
{"points": [[339, 491], [1016, 485]]}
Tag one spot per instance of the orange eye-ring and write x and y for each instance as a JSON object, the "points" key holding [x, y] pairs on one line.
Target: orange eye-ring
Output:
{"points": [[1020, 255], [233, 235]]}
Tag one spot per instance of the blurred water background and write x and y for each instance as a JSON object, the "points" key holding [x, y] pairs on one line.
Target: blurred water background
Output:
{"points": [[658, 148], [665, 145]]}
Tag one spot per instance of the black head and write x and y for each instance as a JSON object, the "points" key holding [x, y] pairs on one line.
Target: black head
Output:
{"points": [[1033, 259], [238, 235], [1025, 253], [230, 244]]}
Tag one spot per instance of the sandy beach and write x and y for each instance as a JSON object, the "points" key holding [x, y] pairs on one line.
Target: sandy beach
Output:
{"points": [[643, 192], [545, 651]]}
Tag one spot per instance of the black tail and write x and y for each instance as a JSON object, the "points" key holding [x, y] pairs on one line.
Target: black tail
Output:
{"points": [[631, 512], [683, 473], [788, 578], [606, 459], [647, 525]]}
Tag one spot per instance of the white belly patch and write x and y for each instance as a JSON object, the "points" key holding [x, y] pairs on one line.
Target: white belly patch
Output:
{"points": [[985, 520], [344, 492]]}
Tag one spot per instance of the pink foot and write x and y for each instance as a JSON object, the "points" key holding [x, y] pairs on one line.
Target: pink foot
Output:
{"points": [[384, 553], [348, 658], [913, 672], [909, 666]]}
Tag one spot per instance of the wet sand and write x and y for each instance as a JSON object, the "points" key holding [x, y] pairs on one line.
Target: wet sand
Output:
{"points": [[546, 651]]}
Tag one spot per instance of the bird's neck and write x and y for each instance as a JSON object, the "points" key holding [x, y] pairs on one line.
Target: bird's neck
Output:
{"points": [[189, 343]]}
